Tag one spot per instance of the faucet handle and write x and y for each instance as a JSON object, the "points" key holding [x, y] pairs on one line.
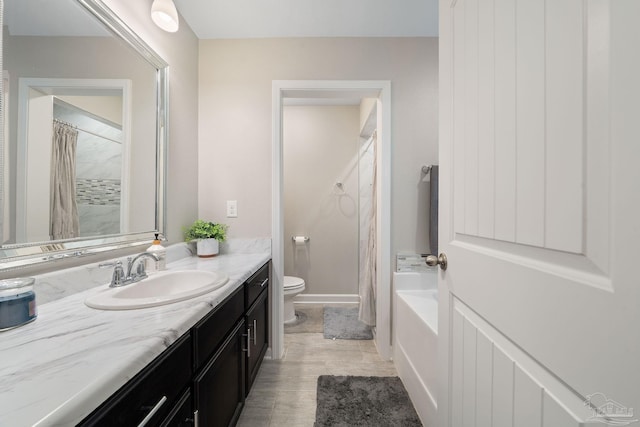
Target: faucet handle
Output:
{"points": [[140, 271], [118, 278]]}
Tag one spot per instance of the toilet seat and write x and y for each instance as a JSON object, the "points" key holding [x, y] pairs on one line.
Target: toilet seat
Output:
{"points": [[291, 287], [293, 284]]}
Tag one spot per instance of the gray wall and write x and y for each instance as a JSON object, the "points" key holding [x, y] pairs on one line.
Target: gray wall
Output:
{"points": [[320, 148], [235, 121]]}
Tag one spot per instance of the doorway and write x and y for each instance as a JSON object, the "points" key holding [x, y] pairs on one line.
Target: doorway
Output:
{"points": [[304, 89]]}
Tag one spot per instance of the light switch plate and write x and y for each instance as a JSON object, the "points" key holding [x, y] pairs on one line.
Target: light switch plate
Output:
{"points": [[232, 208]]}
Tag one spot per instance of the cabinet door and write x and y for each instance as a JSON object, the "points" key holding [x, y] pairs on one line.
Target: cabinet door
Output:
{"points": [[219, 388], [152, 393], [258, 324], [256, 284], [210, 332], [181, 415]]}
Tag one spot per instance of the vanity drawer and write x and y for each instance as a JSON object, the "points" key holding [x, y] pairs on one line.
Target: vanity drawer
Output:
{"points": [[210, 332], [256, 285], [153, 392], [182, 414]]}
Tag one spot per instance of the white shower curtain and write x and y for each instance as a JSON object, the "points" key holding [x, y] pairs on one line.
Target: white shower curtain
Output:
{"points": [[367, 311], [65, 223]]}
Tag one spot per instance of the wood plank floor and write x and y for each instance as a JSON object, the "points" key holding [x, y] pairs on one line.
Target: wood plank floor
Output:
{"points": [[284, 393]]}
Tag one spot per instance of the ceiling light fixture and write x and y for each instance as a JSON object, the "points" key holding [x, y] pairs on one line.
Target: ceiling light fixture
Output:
{"points": [[165, 15]]}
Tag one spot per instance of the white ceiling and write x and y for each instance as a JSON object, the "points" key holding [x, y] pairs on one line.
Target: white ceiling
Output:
{"points": [[246, 18], [50, 18], [212, 19]]}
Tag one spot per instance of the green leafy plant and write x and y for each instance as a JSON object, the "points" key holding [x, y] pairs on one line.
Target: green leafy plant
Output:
{"points": [[205, 230]]}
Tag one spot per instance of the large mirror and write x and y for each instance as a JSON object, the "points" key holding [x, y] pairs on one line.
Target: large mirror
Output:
{"points": [[83, 132]]}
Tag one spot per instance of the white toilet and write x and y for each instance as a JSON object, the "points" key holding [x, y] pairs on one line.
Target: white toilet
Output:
{"points": [[292, 287]]}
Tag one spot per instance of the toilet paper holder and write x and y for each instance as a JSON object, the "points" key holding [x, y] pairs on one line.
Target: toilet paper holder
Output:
{"points": [[300, 239]]}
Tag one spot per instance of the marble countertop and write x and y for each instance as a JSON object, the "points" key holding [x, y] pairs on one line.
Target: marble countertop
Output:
{"points": [[58, 369]]}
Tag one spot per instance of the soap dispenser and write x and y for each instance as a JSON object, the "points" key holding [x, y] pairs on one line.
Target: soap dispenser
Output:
{"points": [[159, 250]]}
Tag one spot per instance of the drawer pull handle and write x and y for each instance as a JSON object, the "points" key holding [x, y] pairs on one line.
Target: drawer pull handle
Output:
{"points": [[248, 349], [264, 282], [153, 412], [255, 329], [196, 418]]}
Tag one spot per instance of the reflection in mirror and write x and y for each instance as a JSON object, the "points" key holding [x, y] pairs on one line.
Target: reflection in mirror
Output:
{"points": [[99, 175], [88, 115], [82, 141]]}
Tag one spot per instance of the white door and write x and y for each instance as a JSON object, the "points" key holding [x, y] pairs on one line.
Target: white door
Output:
{"points": [[540, 212]]}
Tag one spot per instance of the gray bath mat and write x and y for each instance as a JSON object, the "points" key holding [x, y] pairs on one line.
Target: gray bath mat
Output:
{"points": [[364, 401], [342, 323]]}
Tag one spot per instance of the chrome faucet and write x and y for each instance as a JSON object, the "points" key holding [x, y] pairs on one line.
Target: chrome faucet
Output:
{"points": [[140, 273], [120, 278]]}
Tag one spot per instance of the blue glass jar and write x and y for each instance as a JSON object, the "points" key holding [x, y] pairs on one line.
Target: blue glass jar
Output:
{"points": [[17, 302]]}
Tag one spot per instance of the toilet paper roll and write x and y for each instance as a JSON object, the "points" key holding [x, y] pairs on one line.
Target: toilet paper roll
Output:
{"points": [[300, 240]]}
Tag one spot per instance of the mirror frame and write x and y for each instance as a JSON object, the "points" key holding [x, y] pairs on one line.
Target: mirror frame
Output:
{"points": [[15, 256]]}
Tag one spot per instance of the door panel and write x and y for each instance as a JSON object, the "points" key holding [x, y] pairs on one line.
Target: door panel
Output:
{"points": [[564, 124], [540, 123], [502, 392], [534, 116], [497, 384], [530, 108], [504, 121], [486, 124]]}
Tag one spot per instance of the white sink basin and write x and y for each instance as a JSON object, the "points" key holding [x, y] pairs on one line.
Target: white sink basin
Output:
{"points": [[158, 289]]}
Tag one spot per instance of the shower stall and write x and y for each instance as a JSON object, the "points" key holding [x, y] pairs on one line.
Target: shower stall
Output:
{"points": [[98, 169]]}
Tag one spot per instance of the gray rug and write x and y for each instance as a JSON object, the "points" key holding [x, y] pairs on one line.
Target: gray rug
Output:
{"points": [[364, 401], [342, 323]]}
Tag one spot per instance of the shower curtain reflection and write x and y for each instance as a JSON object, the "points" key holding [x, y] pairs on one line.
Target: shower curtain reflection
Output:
{"points": [[99, 158], [64, 209], [367, 276]]}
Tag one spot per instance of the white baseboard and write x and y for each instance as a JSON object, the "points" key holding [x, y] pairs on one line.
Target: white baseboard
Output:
{"points": [[327, 299]]}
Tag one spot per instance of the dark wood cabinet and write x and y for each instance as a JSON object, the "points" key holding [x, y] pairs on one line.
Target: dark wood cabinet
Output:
{"points": [[182, 414], [257, 318], [258, 327], [201, 379], [256, 285], [219, 388], [212, 330], [152, 394]]}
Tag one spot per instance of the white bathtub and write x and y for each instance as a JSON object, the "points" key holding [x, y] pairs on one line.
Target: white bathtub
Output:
{"points": [[415, 339]]}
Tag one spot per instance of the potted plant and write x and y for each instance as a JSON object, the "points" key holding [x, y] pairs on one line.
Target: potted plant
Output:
{"points": [[207, 235]]}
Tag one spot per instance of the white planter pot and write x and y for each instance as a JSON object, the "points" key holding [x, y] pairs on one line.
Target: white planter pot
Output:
{"points": [[207, 248]]}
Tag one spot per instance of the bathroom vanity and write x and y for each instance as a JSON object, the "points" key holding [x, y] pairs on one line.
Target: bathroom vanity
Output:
{"points": [[202, 378], [188, 363]]}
